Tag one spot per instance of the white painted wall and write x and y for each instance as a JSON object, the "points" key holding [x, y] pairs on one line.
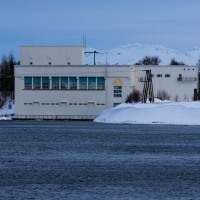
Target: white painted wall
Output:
{"points": [[56, 55]]}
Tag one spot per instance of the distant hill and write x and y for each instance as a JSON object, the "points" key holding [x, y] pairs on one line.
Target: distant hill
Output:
{"points": [[132, 53]]}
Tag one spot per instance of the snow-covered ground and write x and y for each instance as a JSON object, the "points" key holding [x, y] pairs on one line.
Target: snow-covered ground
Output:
{"points": [[179, 113], [6, 113]]}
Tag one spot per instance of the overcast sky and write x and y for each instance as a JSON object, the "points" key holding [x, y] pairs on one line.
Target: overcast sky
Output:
{"points": [[106, 23]]}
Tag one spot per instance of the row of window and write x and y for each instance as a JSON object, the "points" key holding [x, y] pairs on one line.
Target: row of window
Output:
{"points": [[141, 79], [49, 63], [64, 83], [58, 104], [160, 75]]}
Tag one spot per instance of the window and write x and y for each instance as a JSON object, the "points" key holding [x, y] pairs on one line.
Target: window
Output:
{"points": [[27, 83], [167, 75], [83, 83], [64, 83], [100, 83], [117, 91], [45, 83], [159, 75], [55, 83], [91, 83], [72, 83], [36, 83], [116, 104]]}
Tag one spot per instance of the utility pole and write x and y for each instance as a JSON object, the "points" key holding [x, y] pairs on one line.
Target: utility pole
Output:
{"points": [[94, 52], [106, 58]]}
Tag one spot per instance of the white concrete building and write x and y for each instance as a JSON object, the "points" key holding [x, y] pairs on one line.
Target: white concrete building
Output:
{"points": [[62, 90], [178, 81]]}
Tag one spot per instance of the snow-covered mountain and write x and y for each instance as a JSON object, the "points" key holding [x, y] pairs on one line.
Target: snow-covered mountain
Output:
{"points": [[132, 53]]}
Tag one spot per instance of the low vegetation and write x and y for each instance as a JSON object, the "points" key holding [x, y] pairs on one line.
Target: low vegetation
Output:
{"points": [[163, 95], [134, 97]]}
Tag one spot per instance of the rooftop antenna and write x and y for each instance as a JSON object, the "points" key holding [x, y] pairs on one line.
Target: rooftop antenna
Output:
{"points": [[84, 41]]}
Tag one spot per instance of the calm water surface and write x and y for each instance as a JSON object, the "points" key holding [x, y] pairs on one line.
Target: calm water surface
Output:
{"points": [[86, 160]]}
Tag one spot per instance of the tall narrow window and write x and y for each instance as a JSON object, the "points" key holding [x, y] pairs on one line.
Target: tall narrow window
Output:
{"points": [[91, 83], [27, 83], [55, 83], [100, 83], [64, 83], [36, 83], [83, 83], [45, 83], [117, 91], [72, 83]]}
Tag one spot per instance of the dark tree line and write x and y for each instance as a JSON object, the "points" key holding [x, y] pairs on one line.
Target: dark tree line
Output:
{"points": [[174, 62], [7, 77], [148, 60], [155, 60]]}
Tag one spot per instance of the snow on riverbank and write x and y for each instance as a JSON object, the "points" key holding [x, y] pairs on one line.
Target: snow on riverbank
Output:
{"points": [[179, 113], [6, 113]]}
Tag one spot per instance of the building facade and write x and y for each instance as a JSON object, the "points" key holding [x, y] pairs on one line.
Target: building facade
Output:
{"points": [[76, 92], [57, 89], [180, 82]]}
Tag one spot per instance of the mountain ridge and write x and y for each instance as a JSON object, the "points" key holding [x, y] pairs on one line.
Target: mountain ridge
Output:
{"points": [[130, 54]]}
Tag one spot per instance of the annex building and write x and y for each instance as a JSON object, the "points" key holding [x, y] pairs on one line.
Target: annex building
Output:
{"points": [[52, 82]]}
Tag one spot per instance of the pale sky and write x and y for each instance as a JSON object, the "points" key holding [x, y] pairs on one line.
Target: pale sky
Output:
{"points": [[106, 23]]}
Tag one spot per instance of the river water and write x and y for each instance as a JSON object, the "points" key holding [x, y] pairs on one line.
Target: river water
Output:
{"points": [[86, 160]]}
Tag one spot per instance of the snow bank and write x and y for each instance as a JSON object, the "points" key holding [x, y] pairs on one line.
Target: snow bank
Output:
{"points": [[6, 113], [179, 113]]}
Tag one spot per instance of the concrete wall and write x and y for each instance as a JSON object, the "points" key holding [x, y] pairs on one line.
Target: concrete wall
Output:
{"points": [[56, 55]]}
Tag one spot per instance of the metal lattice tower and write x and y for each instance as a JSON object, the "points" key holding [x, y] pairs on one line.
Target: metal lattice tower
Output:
{"points": [[148, 87]]}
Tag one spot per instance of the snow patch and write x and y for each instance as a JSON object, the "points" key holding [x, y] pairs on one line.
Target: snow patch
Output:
{"points": [[7, 111]]}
